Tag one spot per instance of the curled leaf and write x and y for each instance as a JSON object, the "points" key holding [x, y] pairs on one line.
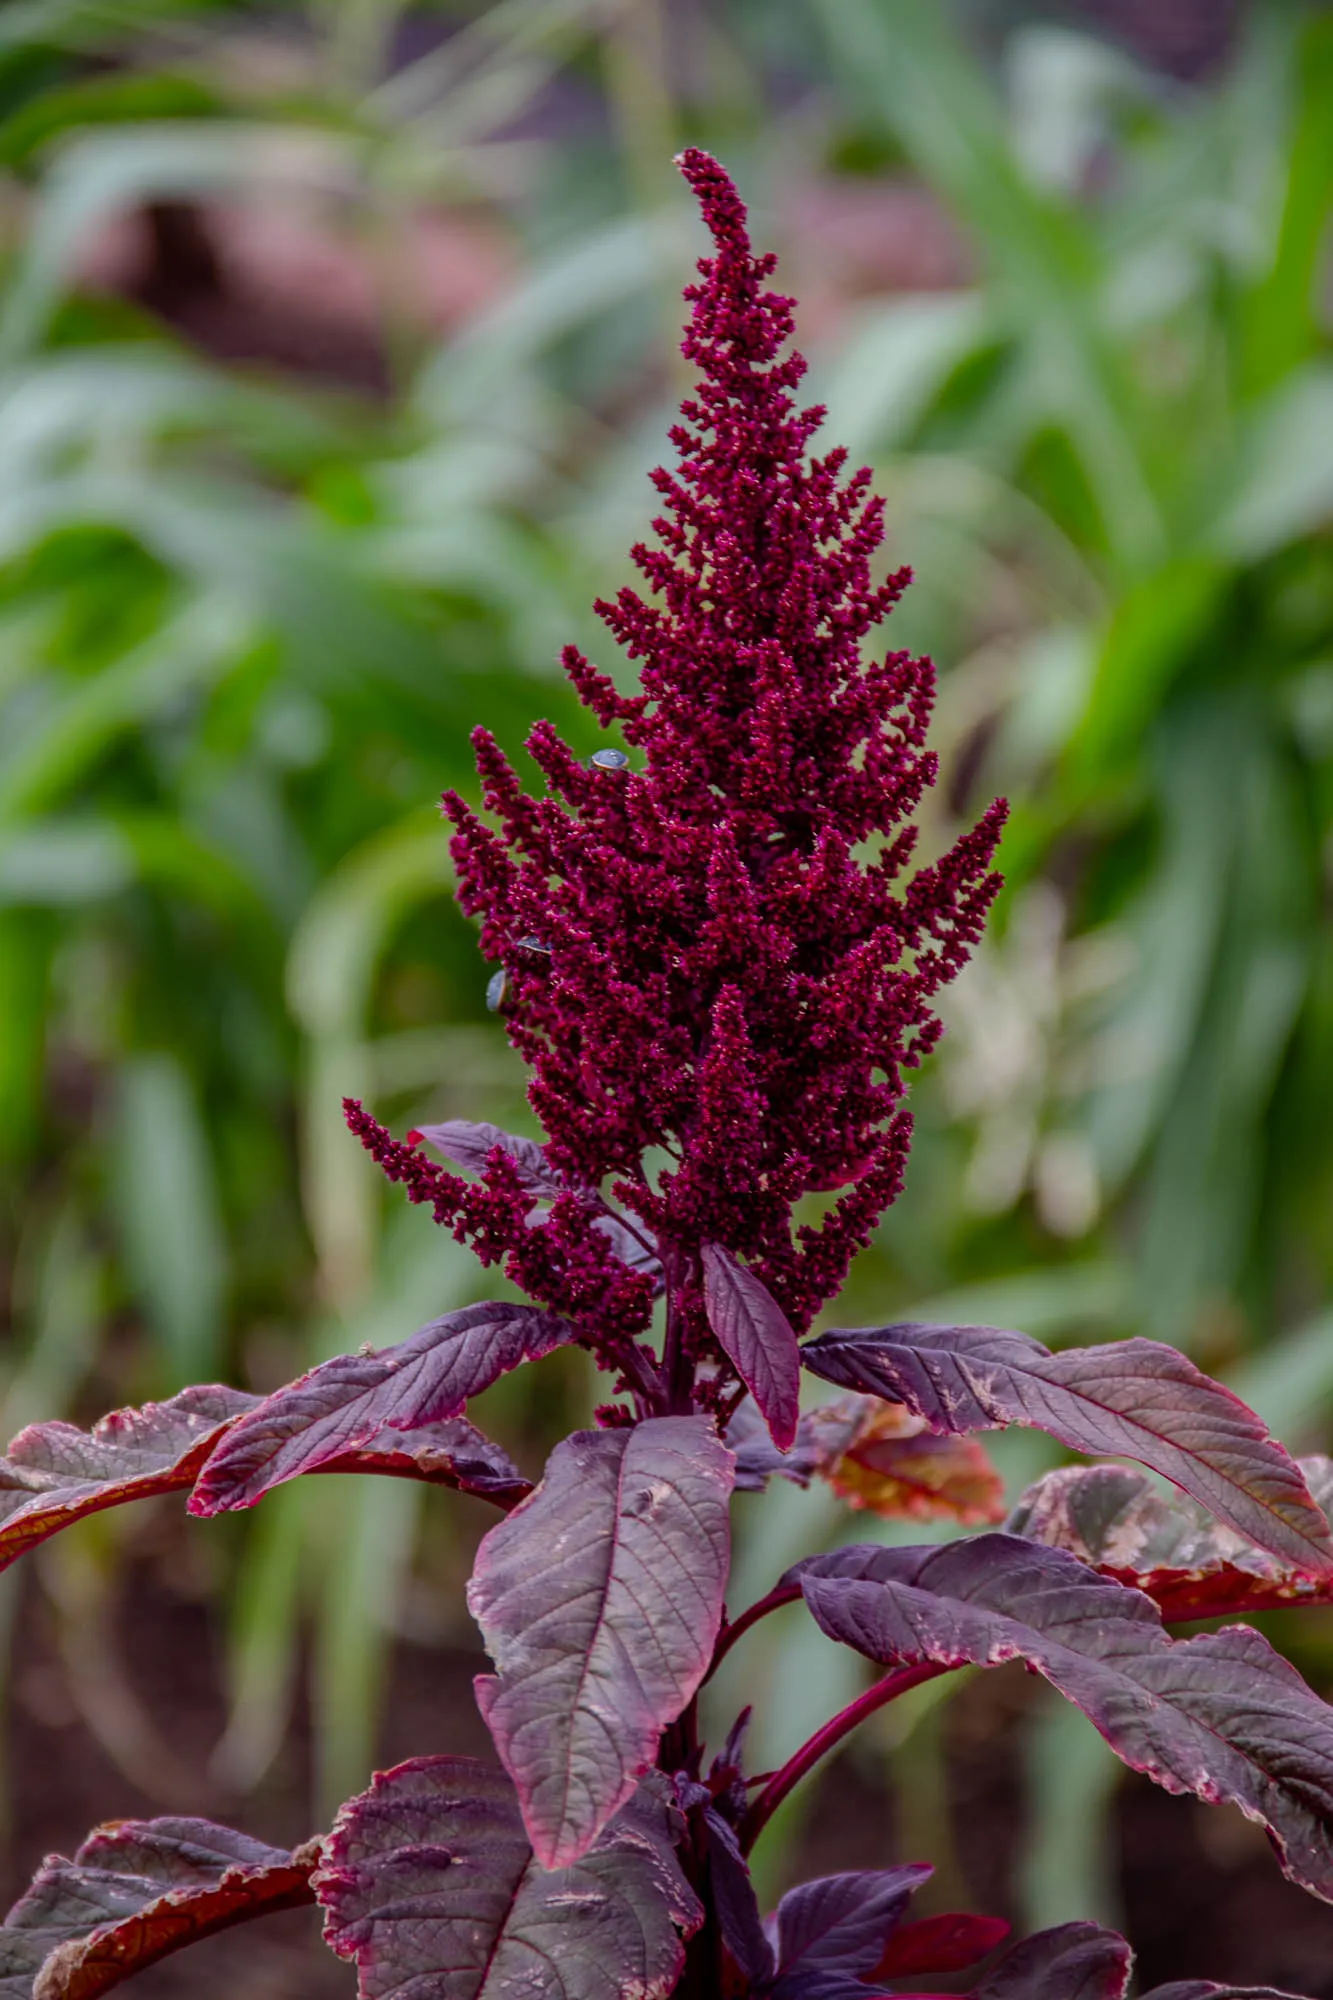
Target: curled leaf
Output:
{"points": [[600, 1599], [1129, 1399], [1116, 1520], [135, 1891], [428, 1881], [345, 1405], [56, 1474], [1222, 1716]]}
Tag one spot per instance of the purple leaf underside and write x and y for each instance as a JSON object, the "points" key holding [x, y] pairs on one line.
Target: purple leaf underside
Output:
{"points": [[469, 1145], [832, 1932], [346, 1405], [428, 1882], [135, 1891], [1129, 1399], [1165, 1544], [600, 1599], [1222, 1715], [754, 1333], [55, 1474]]}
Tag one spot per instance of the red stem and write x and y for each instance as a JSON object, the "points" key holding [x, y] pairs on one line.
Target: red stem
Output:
{"points": [[785, 1593], [828, 1738]]}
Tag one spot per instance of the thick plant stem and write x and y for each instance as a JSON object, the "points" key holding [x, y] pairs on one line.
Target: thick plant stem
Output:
{"points": [[784, 1781], [676, 1374]]}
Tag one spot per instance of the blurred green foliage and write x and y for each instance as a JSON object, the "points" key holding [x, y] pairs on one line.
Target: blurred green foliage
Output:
{"points": [[256, 585]]}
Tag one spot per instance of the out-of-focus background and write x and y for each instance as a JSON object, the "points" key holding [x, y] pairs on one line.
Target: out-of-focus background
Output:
{"points": [[335, 342]]}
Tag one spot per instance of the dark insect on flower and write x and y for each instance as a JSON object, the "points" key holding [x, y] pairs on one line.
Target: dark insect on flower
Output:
{"points": [[609, 760], [496, 987]]}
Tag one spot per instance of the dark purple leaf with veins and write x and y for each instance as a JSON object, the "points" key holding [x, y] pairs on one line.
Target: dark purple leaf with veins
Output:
{"points": [[754, 1333], [136, 1890], [1221, 1715], [600, 1599], [1073, 1962], [344, 1403], [470, 1145], [832, 1933], [55, 1473], [1130, 1399], [429, 1883]]}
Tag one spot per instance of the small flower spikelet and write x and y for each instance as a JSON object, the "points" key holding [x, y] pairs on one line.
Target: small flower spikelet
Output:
{"points": [[733, 972]]}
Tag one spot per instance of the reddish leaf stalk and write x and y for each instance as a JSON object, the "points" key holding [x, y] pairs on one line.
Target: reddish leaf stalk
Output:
{"points": [[785, 1593], [785, 1781]]}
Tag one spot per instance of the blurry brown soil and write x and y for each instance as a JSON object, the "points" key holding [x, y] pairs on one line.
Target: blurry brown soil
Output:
{"points": [[1202, 1893]]}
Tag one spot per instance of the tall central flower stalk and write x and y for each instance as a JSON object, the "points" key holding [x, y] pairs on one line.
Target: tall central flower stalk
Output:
{"points": [[716, 955]]}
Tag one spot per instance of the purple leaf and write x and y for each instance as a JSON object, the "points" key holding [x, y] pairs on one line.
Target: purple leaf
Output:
{"points": [[1073, 1962], [600, 1598], [832, 1933], [734, 1902], [56, 1474], [470, 1146], [1130, 1398], [1164, 1544], [754, 1333], [1221, 1715], [136, 1890], [342, 1404], [1206, 1989], [429, 1883]]}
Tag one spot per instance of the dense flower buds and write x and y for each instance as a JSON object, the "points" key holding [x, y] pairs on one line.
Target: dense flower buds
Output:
{"points": [[716, 962]]}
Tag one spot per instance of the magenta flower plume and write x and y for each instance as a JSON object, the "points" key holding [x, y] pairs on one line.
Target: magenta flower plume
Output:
{"points": [[717, 962]]}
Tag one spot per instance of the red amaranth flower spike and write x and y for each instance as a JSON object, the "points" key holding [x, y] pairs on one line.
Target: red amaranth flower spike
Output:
{"points": [[734, 970]]}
